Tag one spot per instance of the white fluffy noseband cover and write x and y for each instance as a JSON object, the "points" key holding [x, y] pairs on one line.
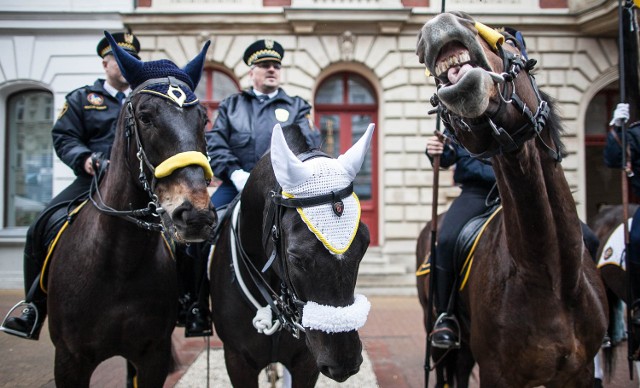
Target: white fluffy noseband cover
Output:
{"points": [[336, 319]]}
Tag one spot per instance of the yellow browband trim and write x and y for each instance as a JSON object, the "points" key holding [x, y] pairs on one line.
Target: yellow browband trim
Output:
{"points": [[184, 159], [487, 33]]}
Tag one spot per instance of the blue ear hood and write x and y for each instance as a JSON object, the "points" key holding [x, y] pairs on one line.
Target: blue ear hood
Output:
{"points": [[136, 72]]}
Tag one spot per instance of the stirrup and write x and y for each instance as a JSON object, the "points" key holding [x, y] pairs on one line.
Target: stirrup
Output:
{"points": [[19, 333], [452, 318]]}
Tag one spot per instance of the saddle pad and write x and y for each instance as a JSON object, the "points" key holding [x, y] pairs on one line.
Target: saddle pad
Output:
{"points": [[465, 244], [614, 249], [58, 227]]}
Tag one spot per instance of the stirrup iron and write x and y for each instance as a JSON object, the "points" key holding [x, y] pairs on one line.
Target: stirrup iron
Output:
{"points": [[449, 317], [14, 308]]}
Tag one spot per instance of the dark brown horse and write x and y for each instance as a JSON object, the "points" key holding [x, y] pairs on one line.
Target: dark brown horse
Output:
{"points": [[536, 307], [284, 270], [112, 279]]}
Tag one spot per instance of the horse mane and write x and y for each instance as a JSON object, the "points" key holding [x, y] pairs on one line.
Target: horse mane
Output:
{"points": [[554, 124], [295, 138]]}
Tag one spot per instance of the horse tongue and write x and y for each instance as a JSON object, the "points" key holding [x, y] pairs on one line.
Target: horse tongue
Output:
{"points": [[457, 72]]}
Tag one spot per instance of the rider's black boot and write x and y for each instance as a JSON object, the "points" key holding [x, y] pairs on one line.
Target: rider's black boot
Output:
{"points": [[446, 330], [29, 323], [194, 312]]}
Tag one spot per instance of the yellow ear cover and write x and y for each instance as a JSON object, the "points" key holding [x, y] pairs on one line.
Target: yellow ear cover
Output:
{"points": [[490, 35]]}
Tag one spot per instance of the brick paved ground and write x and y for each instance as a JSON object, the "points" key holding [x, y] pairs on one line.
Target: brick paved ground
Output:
{"points": [[393, 337]]}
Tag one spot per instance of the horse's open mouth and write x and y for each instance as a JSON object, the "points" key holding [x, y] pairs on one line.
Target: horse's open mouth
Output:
{"points": [[453, 62]]}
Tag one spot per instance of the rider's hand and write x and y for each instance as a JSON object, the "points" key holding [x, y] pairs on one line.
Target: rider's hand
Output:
{"points": [[620, 115], [88, 168], [239, 179], [435, 146]]}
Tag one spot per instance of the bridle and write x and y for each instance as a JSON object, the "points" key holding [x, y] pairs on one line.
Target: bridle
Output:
{"points": [[182, 159], [534, 122], [284, 303]]}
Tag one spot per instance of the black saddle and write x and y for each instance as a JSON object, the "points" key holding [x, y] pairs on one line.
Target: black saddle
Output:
{"points": [[468, 236]]}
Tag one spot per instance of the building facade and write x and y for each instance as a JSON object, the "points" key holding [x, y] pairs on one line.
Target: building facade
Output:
{"points": [[353, 60]]}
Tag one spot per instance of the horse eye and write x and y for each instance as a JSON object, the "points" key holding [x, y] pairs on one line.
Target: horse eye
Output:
{"points": [[296, 262], [144, 118], [512, 42]]}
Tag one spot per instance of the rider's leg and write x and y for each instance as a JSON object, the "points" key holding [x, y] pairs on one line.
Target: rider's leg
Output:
{"points": [[469, 204], [195, 300], [27, 325], [633, 267]]}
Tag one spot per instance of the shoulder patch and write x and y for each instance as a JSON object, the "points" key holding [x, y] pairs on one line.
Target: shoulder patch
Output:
{"points": [[95, 99], [65, 107]]}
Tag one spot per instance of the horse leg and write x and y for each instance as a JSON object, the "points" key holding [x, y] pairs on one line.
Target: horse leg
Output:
{"points": [[304, 371], [464, 366], [72, 372], [241, 373], [154, 366]]}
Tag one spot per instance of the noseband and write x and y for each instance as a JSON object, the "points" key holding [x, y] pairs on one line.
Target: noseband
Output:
{"points": [[164, 169], [534, 123]]}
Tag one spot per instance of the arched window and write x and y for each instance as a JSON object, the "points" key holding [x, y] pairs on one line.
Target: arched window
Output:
{"points": [[29, 150], [214, 86], [345, 104]]}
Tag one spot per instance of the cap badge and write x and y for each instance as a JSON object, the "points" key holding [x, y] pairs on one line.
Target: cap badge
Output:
{"points": [[128, 38], [268, 43], [282, 115]]}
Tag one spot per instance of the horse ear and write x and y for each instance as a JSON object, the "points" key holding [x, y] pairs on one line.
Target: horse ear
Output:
{"points": [[354, 157], [290, 171], [194, 68], [129, 65]]}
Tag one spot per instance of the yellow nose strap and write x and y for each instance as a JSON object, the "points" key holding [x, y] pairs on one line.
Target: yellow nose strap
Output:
{"points": [[490, 35], [184, 159]]}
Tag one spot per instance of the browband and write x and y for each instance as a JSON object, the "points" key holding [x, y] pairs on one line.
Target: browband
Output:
{"points": [[332, 197]]}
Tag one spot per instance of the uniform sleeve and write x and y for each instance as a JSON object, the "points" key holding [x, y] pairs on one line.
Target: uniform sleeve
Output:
{"points": [[223, 162], [613, 150], [448, 157], [68, 135], [303, 119]]}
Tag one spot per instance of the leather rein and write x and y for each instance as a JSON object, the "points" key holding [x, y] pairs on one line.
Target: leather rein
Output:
{"points": [[285, 304], [183, 159], [534, 122]]}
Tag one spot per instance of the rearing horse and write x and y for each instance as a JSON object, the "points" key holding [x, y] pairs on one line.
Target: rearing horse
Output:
{"points": [[112, 280], [537, 311]]}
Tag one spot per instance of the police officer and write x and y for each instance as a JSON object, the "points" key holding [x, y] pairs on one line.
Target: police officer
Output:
{"points": [[241, 133], [84, 130]]}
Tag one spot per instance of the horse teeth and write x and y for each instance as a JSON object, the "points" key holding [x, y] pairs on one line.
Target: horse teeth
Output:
{"points": [[455, 60]]}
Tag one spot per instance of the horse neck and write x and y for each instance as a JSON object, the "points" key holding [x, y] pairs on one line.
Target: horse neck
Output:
{"points": [[541, 223]]}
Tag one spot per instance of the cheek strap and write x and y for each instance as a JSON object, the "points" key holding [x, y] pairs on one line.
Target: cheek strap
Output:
{"points": [[336, 319]]}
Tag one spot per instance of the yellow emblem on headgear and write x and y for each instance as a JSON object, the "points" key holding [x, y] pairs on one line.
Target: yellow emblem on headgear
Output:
{"points": [[268, 43], [128, 38]]}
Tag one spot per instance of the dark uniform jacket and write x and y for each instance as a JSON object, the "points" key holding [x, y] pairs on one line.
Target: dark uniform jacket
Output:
{"points": [[469, 170], [241, 133], [613, 152], [86, 124]]}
